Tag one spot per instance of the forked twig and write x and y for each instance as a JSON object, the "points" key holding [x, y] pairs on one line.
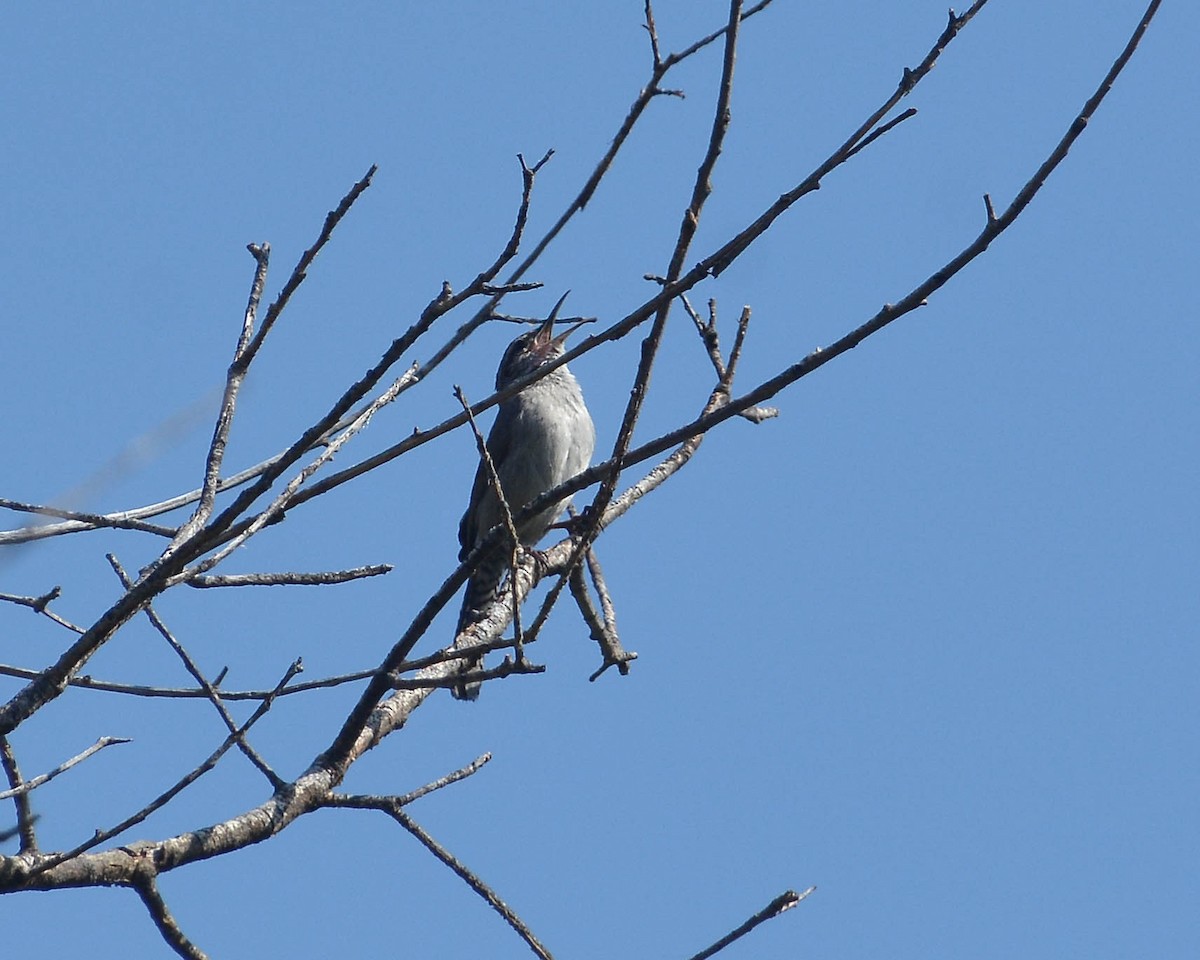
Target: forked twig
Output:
{"points": [[103, 836], [197, 674]]}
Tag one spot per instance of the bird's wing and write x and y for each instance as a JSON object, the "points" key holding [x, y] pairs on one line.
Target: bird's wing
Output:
{"points": [[497, 445]]}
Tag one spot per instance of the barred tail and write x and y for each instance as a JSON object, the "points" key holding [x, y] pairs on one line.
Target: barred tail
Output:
{"points": [[482, 591]]}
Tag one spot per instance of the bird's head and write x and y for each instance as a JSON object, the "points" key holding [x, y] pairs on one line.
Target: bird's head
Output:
{"points": [[536, 348]]}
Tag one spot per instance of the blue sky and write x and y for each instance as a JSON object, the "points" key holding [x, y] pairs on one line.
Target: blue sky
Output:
{"points": [[927, 641]]}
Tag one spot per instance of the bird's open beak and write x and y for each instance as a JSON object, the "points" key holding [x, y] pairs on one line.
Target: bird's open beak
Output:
{"points": [[547, 327]]}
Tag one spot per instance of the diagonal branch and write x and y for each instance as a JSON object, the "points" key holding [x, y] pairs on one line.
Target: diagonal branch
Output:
{"points": [[210, 691], [103, 836], [18, 789], [485, 458], [781, 904], [323, 578], [233, 383], [472, 880], [701, 190], [363, 802], [146, 887], [79, 518], [42, 605], [282, 501]]}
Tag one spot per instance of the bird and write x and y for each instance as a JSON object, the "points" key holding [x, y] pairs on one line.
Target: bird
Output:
{"points": [[542, 436]]}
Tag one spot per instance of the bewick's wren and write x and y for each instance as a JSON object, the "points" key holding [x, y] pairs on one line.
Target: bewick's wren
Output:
{"points": [[542, 436]]}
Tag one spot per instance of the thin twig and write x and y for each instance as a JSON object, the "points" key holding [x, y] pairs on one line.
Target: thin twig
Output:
{"points": [[653, 31], [461, 774], [85, 519], [209, 689], [28, 785], [506, 668], [289, 579], [332, 219], [781, 904], [194, 693], [472, 881], [234, 378], [42, 605], [280, 503], [489, 465], [712, 346], [367, 802], [103, 836], [614, 653], [701, 190], [880, 131]]}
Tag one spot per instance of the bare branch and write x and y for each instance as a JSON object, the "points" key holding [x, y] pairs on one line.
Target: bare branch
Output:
{"points": [[192, 693], [472, 881], [781, 904], [506, 668], [282, 501], [234, 377], [720, 260], [103, 836], [147, 888], [712, 345], [604, 631], [83, 519], [332, 219], [687, 230], [28, 785], [42, 605], [289, 579], [25, 816], [209, 689], [362, 802], [485, 457]]}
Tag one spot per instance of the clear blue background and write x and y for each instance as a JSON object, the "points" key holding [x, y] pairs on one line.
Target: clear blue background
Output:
{"points": [[927, 641]]}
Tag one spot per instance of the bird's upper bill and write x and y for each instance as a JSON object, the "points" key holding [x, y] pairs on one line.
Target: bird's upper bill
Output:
{"points": [[544, 342], [546, 345]]}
